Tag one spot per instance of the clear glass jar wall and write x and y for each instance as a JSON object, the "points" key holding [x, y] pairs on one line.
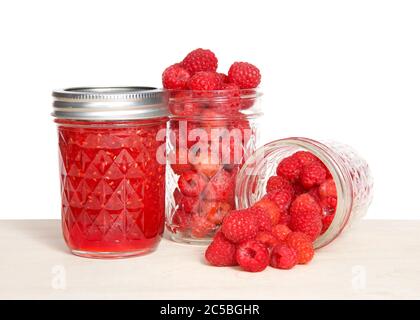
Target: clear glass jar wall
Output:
{"points": [[350, 172], [210, 134]]}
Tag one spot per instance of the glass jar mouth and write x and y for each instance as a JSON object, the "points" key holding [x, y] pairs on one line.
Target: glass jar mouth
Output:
{"points": [[221, 94], [256, 165]]}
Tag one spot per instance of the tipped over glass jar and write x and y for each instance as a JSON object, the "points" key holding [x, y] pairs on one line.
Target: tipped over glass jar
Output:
{"points": [[350, 173], [210, 135]]}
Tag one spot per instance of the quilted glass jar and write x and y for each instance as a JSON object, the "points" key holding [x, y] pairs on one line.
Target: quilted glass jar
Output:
{"points": [[112, 180], [210, 135], [350, 172]]}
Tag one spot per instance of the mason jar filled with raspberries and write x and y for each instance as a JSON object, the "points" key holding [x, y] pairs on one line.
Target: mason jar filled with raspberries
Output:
{"points": [[294, 195], [211, 132]]}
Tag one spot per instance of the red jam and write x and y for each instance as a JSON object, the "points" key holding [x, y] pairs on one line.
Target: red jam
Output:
{"points": [[112, 185]]}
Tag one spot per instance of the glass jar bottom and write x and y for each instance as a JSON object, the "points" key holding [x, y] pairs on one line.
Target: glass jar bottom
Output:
{"points": [[180, 238], [113, 255]]}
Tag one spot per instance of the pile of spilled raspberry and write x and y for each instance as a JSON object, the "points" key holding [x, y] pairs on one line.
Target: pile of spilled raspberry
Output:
{"points": [[279, 230]]}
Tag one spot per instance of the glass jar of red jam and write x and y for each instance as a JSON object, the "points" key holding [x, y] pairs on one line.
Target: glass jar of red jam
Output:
{"points": [[210, 135], [350, 173], [112, 179]]}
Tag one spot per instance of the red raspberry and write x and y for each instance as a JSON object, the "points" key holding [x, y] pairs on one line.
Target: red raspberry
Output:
{"points": [[289, 168], [280, 232], [283, 257], [279, 183], [227, 102], [312, 175], [328, 189], [223, 78], [204, 81], [303, 246], [240, 225], [181, 220], [267, 239], [306, 158], [252, 256], [326, 222], [215, 211], [188, 204], [221, 187], [200, 60], [204, 165], [270, 208], [221, 252], [328, 205], [281, 198], [192, 183], [298, 189], [245, 75], [263, 220], [305, 216], [176, 163], [175, 77], [315, 194], [200, 226]]}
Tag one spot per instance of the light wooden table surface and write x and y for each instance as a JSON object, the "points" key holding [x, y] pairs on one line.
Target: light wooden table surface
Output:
{"points": [[376, 259]]}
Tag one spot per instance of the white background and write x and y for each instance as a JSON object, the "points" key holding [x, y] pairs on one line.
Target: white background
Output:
{"points": [[345, 70]]}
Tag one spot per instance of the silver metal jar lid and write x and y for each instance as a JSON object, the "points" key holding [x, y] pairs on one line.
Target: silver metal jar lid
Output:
{"points": [[110, 103]]}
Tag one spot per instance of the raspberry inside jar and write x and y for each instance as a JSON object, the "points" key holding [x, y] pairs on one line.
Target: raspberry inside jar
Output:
{"points": [[210, 135], [318, 187]]}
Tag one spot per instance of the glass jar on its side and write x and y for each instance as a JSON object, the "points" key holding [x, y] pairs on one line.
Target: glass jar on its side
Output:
{"points": [[350, 172], [112, 181], [210, 135]]}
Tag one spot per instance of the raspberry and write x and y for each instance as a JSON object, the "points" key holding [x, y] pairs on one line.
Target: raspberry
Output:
{"points": [[245, 75], [280, 232], [188, 204], [204, 165], [181, 220], [279, 183], [328, 205], [303, 246], [298, 189], [240, 225], [305, 216], [200, 60], [263, 220], [221, 252], [281, 198], [283, 257], [223, 78], [176, 163], [269, 207], [227, 102], [175, 77], [328, 189], [306, 158], [192, 183], [312, 175], [289, 168], [204, 81], [221, 187], [215, 211], [267, 239], [200, 226], [252, 256], [326, 222]]}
